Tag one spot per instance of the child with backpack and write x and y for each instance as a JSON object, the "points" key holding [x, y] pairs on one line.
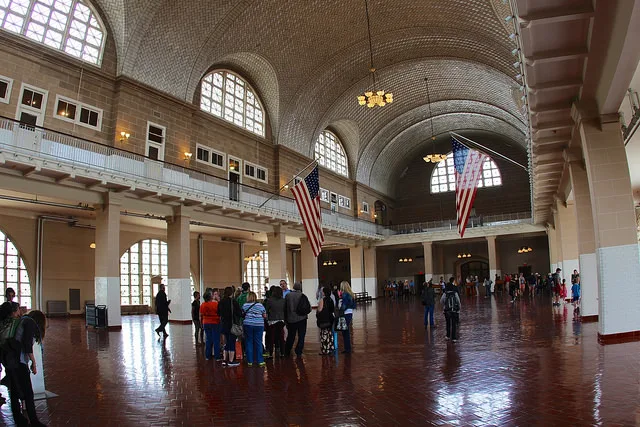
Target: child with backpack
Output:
{"points": [[451, 301]]}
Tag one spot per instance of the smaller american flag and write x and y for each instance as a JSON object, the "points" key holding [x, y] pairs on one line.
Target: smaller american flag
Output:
{"points": [[307, 196], [468, 168]]}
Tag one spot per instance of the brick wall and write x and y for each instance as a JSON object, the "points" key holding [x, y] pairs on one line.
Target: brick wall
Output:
{"points": [[415, 203]]}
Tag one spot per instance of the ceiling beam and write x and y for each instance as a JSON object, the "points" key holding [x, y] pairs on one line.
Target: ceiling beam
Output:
{"points": [[555, 55], [556, 15], [556, 85], [550, 108], [562, 124]]}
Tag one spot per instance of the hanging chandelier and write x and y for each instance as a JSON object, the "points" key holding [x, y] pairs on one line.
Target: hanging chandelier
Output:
{"points": [[524, 250], [373, 97], [433, 157], [405, 260], [253, 258], [328, 263]]}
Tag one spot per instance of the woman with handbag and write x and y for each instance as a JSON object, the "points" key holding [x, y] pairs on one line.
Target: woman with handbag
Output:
{"points": [[347, 304], [325, 318], [231, 325]]}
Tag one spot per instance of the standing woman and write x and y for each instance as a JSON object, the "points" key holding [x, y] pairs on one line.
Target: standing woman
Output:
{"points": [[275, 321], [325, 318], [347, 304], [229, 312], [31, 329], [254, 314], [210, 321]]}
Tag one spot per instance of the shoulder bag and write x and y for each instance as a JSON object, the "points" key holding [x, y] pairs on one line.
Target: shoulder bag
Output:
{"points": [[236, 328]]}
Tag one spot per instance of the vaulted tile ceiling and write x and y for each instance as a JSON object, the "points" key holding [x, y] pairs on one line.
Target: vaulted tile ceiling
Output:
{"points": [[309, 59]]}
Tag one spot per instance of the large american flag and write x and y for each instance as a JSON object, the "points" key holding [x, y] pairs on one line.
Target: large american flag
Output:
{"points": [[468, 166], [307, 196]]}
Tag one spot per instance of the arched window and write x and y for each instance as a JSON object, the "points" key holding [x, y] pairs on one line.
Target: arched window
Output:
{"points": [[13, 272], [138, 265], [67, 25], [227, 96], [443, 178], [330, 154], [257, 271]]}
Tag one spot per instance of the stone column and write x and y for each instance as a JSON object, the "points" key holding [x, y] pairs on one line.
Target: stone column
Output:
{"points": [[617, 254], [277, 247], [370, 272], [356, 261], [309, 264], [586, 237], [569, 241], [427, 248], [107, 267], [551, 237], [493, 258], [178, 247], [558, 237]]}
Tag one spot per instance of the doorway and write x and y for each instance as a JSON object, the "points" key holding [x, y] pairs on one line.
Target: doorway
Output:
{"points": [[474, 268], [235, 178], [525, 270], [380, 212], [30, 113]]}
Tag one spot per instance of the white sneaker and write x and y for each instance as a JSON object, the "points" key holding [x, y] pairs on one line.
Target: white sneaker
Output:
{"points": [[233, 364]]}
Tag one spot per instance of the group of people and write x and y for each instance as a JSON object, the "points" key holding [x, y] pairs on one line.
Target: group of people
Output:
{"points": [[19, 331], [399, 288], [237, 314], [450, 300]]}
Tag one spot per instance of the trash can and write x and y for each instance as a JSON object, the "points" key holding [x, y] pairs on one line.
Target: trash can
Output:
{"points": [[90, 315], [102, 320]]}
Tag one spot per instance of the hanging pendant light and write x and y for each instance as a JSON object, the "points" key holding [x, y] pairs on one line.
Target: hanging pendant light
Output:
{"points": [[374, 97], [433, 157]]}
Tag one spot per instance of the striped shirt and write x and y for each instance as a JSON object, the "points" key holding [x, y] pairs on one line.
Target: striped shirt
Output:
{"points": [[253, 314]]}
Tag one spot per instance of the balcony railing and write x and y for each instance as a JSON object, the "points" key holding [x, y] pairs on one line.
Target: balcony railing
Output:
{"points": [[85, 157], [486, 221]]}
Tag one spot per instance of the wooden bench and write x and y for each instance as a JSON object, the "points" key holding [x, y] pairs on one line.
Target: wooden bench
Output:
{"points": [[363, 297]]}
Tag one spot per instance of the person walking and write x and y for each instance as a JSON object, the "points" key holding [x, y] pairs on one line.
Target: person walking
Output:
{"points": [[254, 314], [575, 295], [347, 304], [429, 302], [295, 319], [162, 310], [451, 302], [211, 325], [195, 318], [230, 314], [324, 319], [487, 287], [275, 306]]}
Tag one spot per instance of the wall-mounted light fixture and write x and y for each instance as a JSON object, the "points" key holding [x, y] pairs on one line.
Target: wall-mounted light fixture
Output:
{"points": [[328, 263], [124, 136], [92, 245], [405, 260], [187, 156], [464, 255]]}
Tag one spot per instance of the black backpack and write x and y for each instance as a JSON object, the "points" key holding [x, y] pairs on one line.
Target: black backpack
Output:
{"points": [[451, 302], [304, 306]]}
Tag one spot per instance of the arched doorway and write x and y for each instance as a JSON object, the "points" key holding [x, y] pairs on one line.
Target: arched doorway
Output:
{"points": [[139, 263], [13, 272], [380, 212], [474, 268]]}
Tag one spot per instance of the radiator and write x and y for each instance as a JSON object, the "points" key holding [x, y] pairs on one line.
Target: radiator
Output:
{"points": [[57, 308]]}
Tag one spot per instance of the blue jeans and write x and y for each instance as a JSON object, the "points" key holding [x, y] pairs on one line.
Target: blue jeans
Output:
{"points": [[428, 315], [346, 335], [253, 343], [212, 334]]}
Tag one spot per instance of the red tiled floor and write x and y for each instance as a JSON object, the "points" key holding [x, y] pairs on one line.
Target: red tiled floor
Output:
{"points": [[523, 364]]}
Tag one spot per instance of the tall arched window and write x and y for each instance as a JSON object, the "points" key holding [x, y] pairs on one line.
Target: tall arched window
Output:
{"points": [[13, 273], [257, 271], [142, 261], [228, 96], [443, 178], [330, 154], [67, 25]]}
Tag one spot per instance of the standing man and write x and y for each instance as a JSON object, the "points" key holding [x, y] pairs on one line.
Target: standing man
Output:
{"points": [[451, 302], [162, 310], [285, 288], [10, 294], [429, 302], [296, 323]]}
